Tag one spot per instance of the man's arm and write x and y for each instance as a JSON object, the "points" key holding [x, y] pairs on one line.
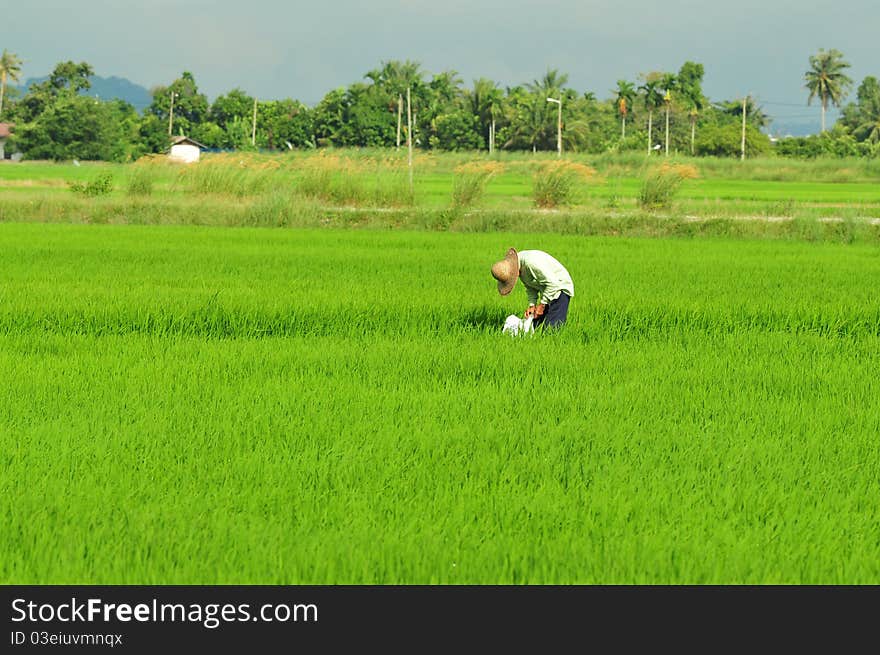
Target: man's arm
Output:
{"points": [[532, 295]]}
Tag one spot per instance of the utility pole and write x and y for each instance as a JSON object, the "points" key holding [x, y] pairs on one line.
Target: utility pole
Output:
{"points": [[558, 125], [409, 136], [171, 113], [254, 128], [492, 136], [742, 155], [399, 117]]}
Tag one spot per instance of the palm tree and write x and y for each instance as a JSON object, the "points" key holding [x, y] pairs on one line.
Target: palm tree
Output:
{"points": [[754, 114], [549, 86], [869, 129], [626, 93], [867, 119], [442, 93], [652, 99], [690, 79], [826, 79], [668, 83], [395, 77], [485, 103], [10, 69]]}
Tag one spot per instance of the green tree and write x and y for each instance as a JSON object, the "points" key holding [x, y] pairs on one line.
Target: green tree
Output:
{"points": [[585, 121], [80, 127], [10, 69], [366, 118], [393, 78], [724, 140], [232, 105], [863, 116], [690, 88], [526, 120], [543, 118], [443, 96], [190, 107], [285, 124], [456, 131], [755, 116], [550, 85], [485, 102], [826, 80], [329, 118], [652, 100], [67, 79]]}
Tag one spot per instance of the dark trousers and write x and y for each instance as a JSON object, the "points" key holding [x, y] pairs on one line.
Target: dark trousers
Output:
{"points": [[555, 314]]}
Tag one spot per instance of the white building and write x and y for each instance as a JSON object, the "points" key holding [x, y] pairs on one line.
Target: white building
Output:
{"points": [[185, 150], [4, 134]]}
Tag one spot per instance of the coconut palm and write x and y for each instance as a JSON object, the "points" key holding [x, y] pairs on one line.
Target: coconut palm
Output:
{"points": [[484, 102], [867, 118], [690, 91], [396, 77], [550, 85], [754, 114], [626, 93], [826, 79], [10, 69], [443, 93], [869, 129], [652, 99]]}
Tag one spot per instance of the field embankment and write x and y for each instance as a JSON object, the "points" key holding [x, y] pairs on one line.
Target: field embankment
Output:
{"points": [[818, 200]]}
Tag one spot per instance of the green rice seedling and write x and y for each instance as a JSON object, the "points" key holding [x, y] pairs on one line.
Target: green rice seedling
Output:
{"points": [[194, 405]]}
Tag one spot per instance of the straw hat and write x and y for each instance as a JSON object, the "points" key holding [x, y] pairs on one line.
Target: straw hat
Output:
{"points": [[506, 272]]}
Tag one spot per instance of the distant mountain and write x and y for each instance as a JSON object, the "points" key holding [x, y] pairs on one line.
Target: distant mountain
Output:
{"points": [[107, 88]]}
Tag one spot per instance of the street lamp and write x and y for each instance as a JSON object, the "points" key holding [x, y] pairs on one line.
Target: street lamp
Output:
{"points": [[171, 112], [558, 125]]}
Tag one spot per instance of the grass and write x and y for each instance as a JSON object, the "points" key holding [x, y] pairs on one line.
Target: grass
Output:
{"points": [[367, 181], [320, 406]]}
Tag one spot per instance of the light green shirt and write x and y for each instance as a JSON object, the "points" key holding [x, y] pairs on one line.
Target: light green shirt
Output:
{"points": [[543, 277]]}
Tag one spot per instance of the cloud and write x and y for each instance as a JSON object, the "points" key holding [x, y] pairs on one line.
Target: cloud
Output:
{"points": [[302, 50]]}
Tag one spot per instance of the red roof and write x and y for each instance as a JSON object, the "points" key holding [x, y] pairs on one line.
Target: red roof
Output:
{"points": [[5, 129]]}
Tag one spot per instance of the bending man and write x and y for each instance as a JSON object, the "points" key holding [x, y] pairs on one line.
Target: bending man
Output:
{"points": [[549, 287]]}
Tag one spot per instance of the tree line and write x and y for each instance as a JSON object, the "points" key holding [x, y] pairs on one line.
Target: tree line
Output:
{"points": [[660, 111]]}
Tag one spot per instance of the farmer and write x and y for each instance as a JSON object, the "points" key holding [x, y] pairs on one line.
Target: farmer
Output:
{"points": [[548, 285]]}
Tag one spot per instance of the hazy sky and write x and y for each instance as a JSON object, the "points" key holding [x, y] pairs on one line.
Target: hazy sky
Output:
{"points": [[277, 49]]}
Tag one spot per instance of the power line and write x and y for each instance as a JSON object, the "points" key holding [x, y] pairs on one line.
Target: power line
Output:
{"points": [[782, 104]]}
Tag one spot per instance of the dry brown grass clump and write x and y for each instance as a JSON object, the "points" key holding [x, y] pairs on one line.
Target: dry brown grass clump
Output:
{"points": [[470, 179], [556, 182]]}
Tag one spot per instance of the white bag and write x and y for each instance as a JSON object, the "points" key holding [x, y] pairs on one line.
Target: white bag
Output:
{"points": [[515, 325]]}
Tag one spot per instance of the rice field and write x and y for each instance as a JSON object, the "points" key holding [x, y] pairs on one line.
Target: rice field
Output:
{"points": [[214, 405]]}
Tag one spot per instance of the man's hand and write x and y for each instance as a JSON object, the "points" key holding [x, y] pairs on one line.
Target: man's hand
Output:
{"points": [[530, 312], [534, 311], [539, 310]]}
